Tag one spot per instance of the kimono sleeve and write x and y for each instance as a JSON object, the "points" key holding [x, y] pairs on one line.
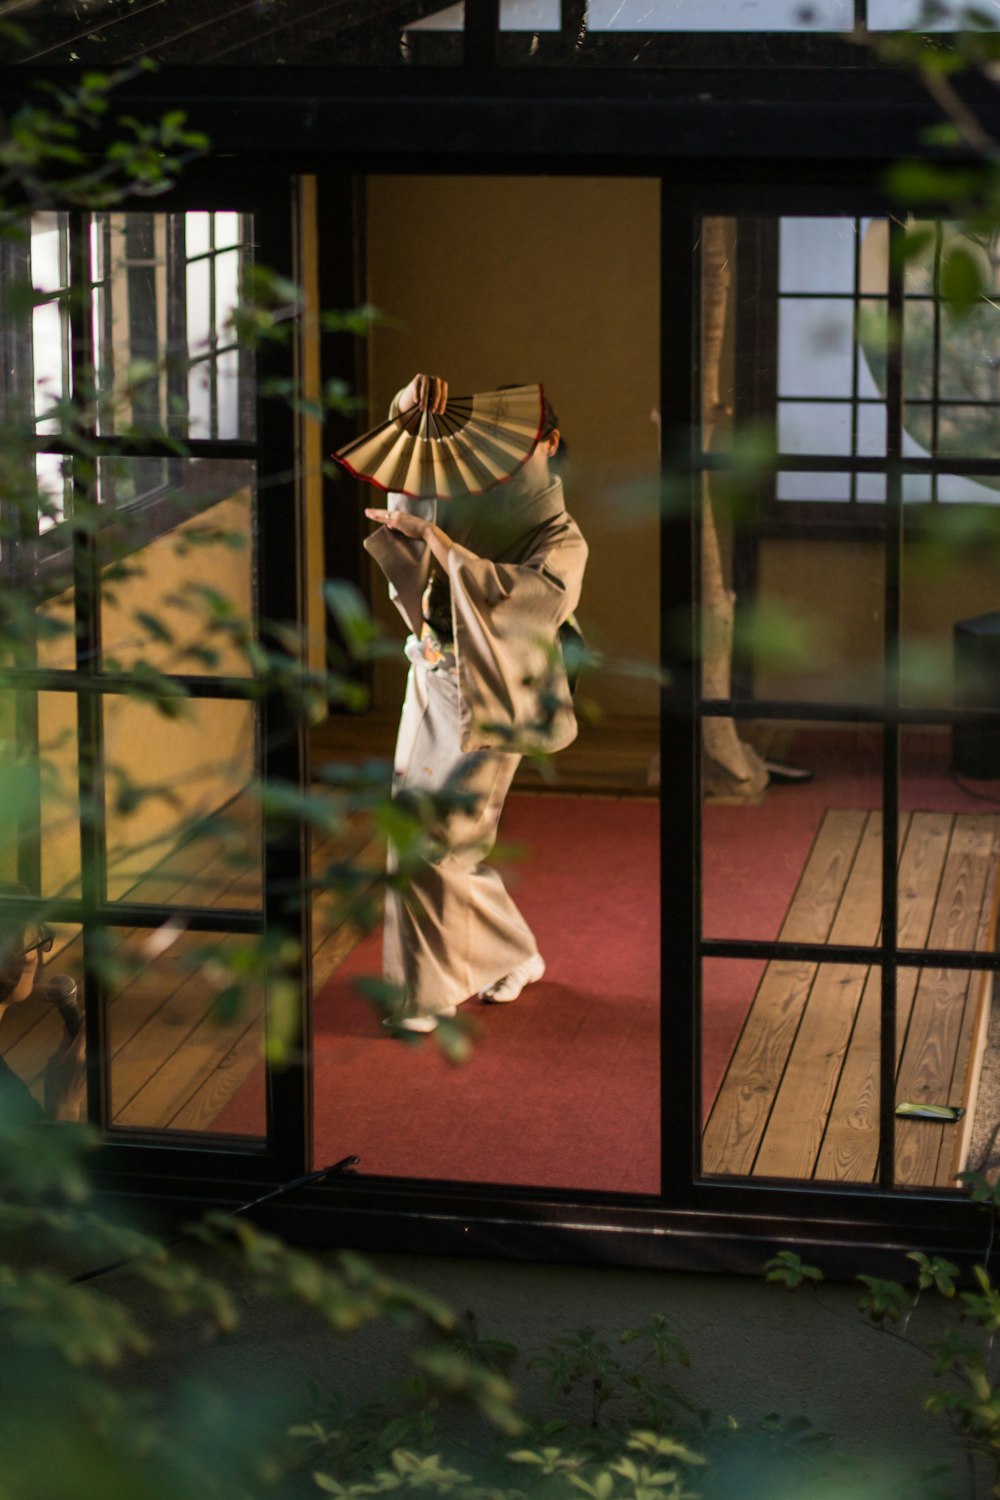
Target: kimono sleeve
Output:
{"points": [[506, 616]]}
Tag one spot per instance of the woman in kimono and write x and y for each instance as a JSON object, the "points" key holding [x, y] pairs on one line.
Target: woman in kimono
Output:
{"points": [[484, 585]]}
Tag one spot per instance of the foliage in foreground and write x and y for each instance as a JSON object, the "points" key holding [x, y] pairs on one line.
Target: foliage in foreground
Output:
{"points": [[118, 1384]]}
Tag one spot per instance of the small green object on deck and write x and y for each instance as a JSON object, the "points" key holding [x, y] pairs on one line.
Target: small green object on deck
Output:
{"points": [[942, 1114]]}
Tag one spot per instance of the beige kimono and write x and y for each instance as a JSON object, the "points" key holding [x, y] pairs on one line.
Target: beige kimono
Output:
{"points": [[515, 569]]}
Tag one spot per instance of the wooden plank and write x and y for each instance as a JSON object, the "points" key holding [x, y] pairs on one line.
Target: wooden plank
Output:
{"points": [[179, 1002], [813, 908], [743, 1104], [938, 1015], [975, 1033], [232, 1072], [798, 1118], [204, 1056], [850, 1146]]}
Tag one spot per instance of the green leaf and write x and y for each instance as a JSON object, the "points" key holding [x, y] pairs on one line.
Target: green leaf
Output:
{"points": [[961, 278], [350, 610], [788, 1269]]}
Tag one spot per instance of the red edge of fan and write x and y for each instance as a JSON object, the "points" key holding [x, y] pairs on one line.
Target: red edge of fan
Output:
{"points": [[364, 478]]}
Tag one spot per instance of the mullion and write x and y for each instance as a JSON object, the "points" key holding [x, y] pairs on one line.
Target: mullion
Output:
{"points": [[86, 681], [680, 841], [891, 730], [855, 355], [973, 960], [23, 526], [936, 356], [213, 370], [87, 629], [284, 743], [837, 462], [844, 713], [109, 446], [241, 920]]}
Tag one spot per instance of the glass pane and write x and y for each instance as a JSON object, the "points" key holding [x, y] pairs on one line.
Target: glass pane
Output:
{"points": [[803, 862], [198, 306], [351, 32], [964, 431], [178, 569], [948, 898], [803, 485], [942, 1028], [950, 651], [39, 793], [592, 336], [814, 427], [42, 1020], [185, 1032], [815, 346], [583, 1115], [197, 233], [227, 285], [163, 297], [719, 15], [816, 255], [183, 826], [790, 1060], [796, 614], [907, 15], [51, 385], [808, 620], [227, 230]]}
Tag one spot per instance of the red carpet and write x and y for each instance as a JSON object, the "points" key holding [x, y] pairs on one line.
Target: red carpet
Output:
{"points": [[562, 1087]]}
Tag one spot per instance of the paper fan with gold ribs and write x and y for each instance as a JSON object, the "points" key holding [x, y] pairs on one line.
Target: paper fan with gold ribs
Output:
{"points": [[476, 443]]}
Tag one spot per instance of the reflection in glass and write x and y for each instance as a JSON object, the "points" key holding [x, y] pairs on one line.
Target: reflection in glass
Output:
{"points": [[815, 347], [813, 626], [790, 1061], [951, 556], [165, 287], [802, 484], [948, 898], [719, 15], [39, 802], [816, 255], [183, 827], [803, 864], [943, 1025], [179, 567], [41, 1017], [185, 1046]]}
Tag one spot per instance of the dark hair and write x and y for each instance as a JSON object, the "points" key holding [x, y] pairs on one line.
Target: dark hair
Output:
{"points": [[12, 929], [549, 419]]}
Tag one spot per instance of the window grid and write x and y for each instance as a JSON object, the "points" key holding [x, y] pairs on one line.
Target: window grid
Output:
{"points": [[86, 346], [938, 457], [886, 955]]}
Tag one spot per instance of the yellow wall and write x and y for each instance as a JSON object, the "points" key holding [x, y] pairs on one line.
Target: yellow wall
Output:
{"points": [[494, 280], [198, 761], [834, 592]]}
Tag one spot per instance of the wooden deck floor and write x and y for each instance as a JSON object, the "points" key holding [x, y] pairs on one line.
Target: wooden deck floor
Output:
{"points": [[173, 1065], [800, 1098]]}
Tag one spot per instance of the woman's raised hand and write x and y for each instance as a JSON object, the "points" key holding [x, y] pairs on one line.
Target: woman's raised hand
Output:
{"points": [[399, 520], [429, 391]]}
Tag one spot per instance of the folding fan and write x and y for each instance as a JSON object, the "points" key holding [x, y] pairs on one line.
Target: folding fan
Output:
{"points": [[478, 442]]}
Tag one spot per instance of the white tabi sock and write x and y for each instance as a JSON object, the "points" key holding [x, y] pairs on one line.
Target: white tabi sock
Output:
{"points": [[511, 985]]}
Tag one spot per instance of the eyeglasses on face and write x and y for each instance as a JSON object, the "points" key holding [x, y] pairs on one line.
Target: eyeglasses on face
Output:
{"points": [[40, 940]]}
